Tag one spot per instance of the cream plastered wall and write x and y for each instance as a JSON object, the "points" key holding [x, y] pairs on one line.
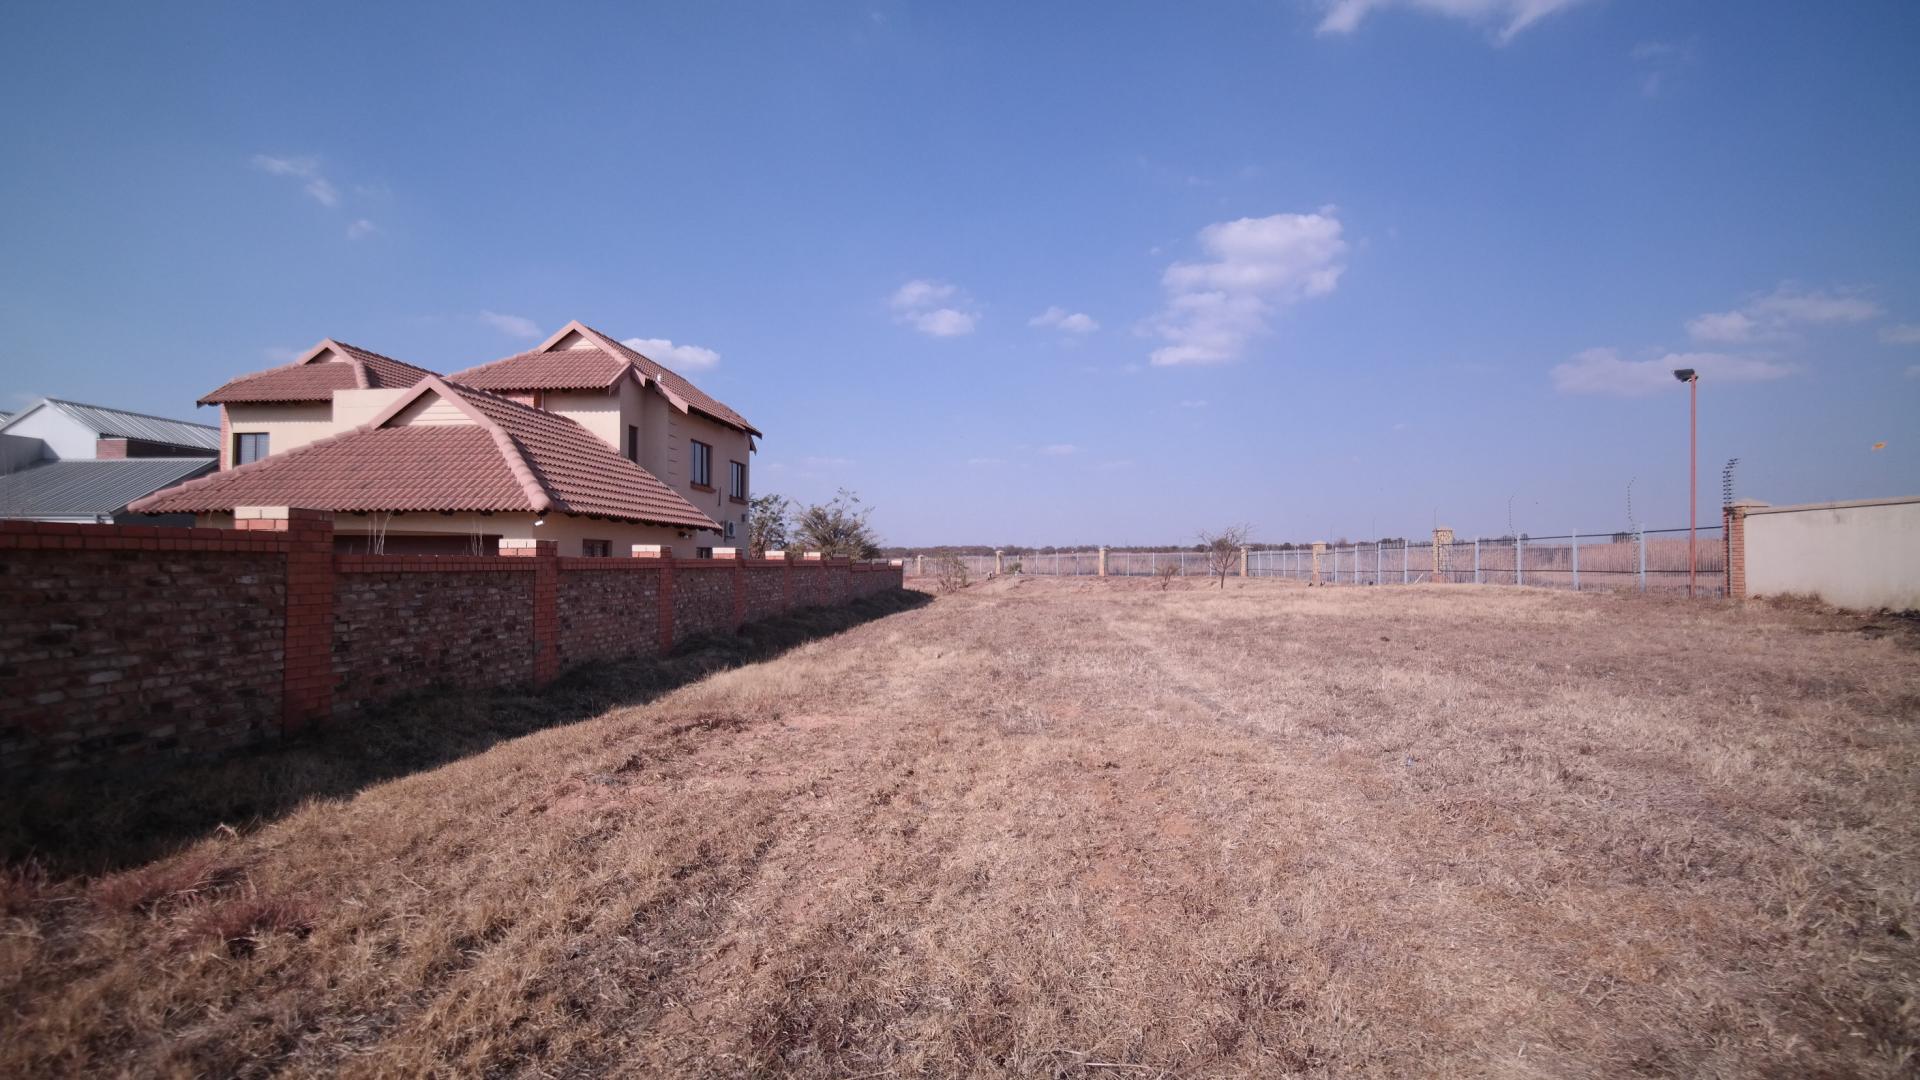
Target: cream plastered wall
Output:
{"points": [[286, 426], [351, 408], [1862, 555]]}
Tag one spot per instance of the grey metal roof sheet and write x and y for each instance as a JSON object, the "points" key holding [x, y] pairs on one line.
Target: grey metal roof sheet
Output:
{"points": [[121, 424], [84, 488]]}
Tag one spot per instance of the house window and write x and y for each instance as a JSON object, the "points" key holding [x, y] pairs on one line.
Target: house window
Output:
{"points": [[249, 447], [703, 553], [737, 480], [729, 526], [702, 474], [633, 442], [596, 549]]}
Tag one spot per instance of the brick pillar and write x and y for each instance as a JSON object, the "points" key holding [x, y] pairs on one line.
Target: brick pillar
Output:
{"points": [[1319, 549], [738, 577], [546, 597], [306, 667], [665, 556], [105, 449], [999, 561], [1243, 562], [786, 578], [1442, 549], [1103, 561], [1736, 540], [226, 441]]}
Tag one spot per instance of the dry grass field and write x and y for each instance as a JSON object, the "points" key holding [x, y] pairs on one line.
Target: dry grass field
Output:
{"points": [[1044, 828]]}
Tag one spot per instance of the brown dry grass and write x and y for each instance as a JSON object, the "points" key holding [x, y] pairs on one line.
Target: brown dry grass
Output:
{"points": [[1066, 828]]}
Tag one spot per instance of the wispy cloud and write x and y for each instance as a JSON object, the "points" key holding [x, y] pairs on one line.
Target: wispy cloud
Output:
{"points": [[1061, 319], [300, 168], [1901, 334], [935, 308], [1509, 16], [1255, 267], [1059, 449], [282, 354], [984, 461], [1779, 311], [361, 229], [517, 326], [1604, 371], [1194, 403], [678, 357]]}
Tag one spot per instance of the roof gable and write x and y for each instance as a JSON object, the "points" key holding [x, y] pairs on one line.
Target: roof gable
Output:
{"points": [[328, 366], [578, 357]]}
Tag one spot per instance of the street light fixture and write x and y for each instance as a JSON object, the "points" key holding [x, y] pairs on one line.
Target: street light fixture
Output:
{"points": [[1692, 379]]}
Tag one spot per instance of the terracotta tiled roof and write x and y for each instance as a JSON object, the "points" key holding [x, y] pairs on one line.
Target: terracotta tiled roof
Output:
{"points": [[513, 458], [595, 368], [313, 379]]}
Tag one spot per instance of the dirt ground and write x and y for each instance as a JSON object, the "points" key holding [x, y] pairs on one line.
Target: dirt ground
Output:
{"points": [[1066, 828]]}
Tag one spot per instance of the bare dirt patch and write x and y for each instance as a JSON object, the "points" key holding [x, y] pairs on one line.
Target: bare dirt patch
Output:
{"points": [[1058, 828]]}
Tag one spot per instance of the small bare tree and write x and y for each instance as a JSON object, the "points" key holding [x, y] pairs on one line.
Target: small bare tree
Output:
{"points": [[951, 571], [1222, 550], [1167, 573]]}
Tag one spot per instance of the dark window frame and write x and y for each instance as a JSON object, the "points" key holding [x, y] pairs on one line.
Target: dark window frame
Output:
{"points": [[737, 481], [245, 439], [633, 443], [700, 465]]}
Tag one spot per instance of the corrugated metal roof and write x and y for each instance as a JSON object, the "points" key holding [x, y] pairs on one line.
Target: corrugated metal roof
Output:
{"points": [[86, 489], [121, 424]]}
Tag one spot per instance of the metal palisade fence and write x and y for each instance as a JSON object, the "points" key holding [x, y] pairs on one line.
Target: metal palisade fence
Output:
{"points": [[1643, 560]]}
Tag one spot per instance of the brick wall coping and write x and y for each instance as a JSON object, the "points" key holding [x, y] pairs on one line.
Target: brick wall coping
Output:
{"points": [[1762, 508], [49, 535], [404, 564]]}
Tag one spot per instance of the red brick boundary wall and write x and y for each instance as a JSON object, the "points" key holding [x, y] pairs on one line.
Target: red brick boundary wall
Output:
{"points": [[120, 641]]}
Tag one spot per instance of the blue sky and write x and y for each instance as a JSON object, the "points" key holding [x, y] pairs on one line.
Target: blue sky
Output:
{"points": [[1031, 273]]}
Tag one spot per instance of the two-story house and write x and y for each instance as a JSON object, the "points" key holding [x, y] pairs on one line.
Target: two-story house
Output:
{"points": [[582, 441]]}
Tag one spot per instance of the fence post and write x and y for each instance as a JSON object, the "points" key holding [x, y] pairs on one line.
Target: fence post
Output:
{"points": [[1442, 553], [1476, 560], [999, 561], [1576, 562], [1103, 560], [1406, 567], [1319, 549], [1519, 561], [919, 566], [1640, 539]]}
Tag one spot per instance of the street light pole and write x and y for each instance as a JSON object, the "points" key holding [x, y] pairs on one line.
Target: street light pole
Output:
{"points": [[1692, 379]]}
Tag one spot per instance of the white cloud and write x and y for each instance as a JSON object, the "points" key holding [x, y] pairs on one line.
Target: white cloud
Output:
{"points": [[511, 325], [1060, 449], [1903, 334], [1913, 371], [678, 357], [1779, 311], [1060, 319], [982, 461], [361, 228], [1721, 326], [918, 304], [1256, 266], [920, 293], [282, 354], [1513, 16], [943, 322], [302, 168], [1603, 371]]}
